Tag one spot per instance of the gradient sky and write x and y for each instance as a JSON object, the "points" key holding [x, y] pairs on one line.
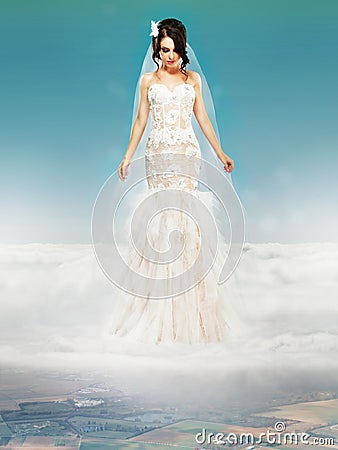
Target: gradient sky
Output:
{"points": [[67, 80]]}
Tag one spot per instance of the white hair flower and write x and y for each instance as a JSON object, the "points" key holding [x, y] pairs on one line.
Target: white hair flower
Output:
{"points": [[154, 29]]}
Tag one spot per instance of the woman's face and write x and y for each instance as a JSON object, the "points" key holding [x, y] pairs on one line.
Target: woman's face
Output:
{"points": [[167, 53]]}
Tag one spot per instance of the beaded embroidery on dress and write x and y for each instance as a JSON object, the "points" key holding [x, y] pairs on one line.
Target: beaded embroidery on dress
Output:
{"points": [[203, 313]]}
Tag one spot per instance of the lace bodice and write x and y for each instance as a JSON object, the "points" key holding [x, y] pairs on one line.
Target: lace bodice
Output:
{"points": [[172, 142], [171, 114]]}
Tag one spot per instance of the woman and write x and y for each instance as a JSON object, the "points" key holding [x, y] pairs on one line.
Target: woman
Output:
{"points": [[191, 310], [170, 47]]}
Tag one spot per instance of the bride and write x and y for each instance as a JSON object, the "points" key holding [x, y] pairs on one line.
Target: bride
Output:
{"points": [[188, 306]]}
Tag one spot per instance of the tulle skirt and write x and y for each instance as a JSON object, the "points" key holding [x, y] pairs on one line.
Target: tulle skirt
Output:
{"points": [[188, 308]]}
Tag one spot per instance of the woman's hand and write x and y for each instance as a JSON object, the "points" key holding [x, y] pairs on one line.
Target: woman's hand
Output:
{"points": [[123, 168], [228, 162]]}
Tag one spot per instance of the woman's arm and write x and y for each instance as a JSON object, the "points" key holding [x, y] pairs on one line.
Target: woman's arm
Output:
{"points": [[137, 129], [206, 126]]}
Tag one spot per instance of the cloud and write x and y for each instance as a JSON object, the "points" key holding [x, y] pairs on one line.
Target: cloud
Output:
{"points": [[56, 306]]}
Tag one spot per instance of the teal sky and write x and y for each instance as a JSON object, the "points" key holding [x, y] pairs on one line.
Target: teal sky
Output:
{"points": [[67, 80]]}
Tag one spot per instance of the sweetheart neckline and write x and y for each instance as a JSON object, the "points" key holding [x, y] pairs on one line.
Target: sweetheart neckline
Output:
{"points": [[171, 91]]}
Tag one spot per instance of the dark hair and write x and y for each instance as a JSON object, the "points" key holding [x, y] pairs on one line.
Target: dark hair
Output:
{"points": [[174, 29]]}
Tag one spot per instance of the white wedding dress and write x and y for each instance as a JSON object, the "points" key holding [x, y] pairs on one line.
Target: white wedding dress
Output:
{"points": [[204, 313]]}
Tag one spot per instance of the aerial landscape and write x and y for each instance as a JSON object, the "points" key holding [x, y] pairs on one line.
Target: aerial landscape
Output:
{"points": [[41, 410]]}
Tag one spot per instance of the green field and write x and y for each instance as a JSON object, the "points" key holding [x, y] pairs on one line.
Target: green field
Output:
{"points": [[180, 435], [126, 446], [4, 430]]}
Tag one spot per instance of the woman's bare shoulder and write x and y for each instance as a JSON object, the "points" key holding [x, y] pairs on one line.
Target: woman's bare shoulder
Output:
{"points": [[147, 78], [194, 77]]}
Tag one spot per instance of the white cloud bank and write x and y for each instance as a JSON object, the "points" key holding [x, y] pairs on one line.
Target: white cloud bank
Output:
{"points": [[56, 304]]}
